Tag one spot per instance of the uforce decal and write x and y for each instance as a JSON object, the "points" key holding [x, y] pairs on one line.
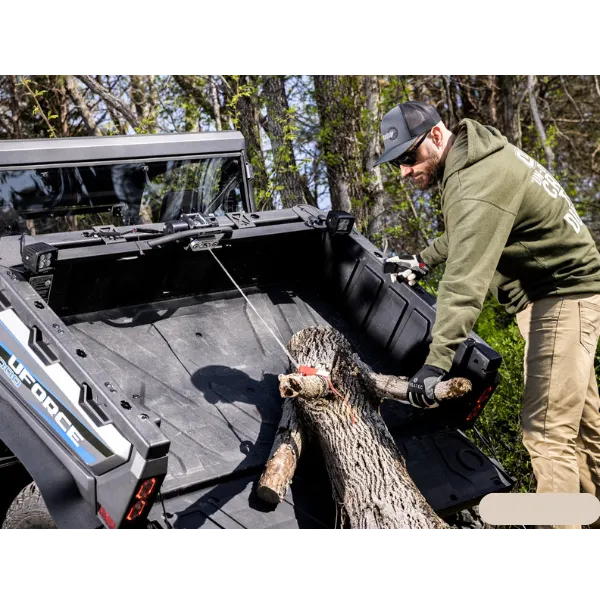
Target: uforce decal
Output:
{"points": [[18, 374], [10, 373]]}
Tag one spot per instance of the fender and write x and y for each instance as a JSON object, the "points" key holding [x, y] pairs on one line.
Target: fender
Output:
{"points": [[62, 496]]}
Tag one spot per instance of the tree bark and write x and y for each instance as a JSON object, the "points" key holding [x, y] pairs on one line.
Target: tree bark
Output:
{"points": [[492, 100], [508, 96], [60, 91], [214, 96], [339, 117], [373, 182], [281, 465], [79, 102], [538, 123], [277, 126], [16, 109], [139, 96], [369, 479], [244, 102]]}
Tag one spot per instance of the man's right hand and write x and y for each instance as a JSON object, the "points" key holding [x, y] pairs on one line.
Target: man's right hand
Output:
{"points": [[410, 268]]}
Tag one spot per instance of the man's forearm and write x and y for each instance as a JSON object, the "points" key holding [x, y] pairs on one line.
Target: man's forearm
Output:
{"points": [[437, 252]]}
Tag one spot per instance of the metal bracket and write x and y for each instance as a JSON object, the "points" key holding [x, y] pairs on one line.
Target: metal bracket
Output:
{"points": [[206, 242], [107, 233], [241, 220]]}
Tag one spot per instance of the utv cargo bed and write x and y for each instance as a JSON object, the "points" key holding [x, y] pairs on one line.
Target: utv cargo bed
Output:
{"points": [[132, 363], [204, 367]]}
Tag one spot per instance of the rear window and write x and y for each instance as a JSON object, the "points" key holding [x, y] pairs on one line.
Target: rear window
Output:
{"points": [[76, 197]]}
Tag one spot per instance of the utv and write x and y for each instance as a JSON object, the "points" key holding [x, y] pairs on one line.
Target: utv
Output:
{"points": [[143, 304]]}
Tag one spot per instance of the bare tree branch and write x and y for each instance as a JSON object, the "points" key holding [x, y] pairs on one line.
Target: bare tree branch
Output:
{"points": [[597, 84], [110, 99], [77, 98], [564, 85], [538, 122]]}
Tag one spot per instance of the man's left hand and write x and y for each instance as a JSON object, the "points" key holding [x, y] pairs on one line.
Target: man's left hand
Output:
{"points": [[421, 386], [409, 268]]}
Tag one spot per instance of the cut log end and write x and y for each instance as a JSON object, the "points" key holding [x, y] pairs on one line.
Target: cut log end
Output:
{"points": [[269, 495]]}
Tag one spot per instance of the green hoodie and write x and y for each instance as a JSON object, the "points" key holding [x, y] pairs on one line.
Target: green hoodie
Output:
{"points": [[510, 228]]}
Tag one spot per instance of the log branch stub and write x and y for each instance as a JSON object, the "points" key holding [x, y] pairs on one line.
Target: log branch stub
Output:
{"points": [[281, 465]]}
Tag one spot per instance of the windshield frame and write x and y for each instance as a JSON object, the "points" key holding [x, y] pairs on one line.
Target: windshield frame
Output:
{"points": [[246, 186]]}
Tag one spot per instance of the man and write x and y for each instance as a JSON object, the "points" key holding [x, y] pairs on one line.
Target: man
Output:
{"points": [[510, 228]]}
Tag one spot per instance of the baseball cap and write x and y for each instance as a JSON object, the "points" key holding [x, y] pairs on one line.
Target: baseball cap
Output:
{"points": [[402, 125]]}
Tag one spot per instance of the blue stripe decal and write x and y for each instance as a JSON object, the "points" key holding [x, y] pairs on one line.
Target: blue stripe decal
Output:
{"points": [[85, 455]]}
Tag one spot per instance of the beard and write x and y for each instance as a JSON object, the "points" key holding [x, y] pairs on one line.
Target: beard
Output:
{"points": [[431, 174]]}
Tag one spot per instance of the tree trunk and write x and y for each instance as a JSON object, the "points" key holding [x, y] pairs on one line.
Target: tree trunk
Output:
{"points": [[244, 100], [63, 105], [492, 101], [369, 479], [216, 106], [339, 117], [538, 122], [79, 102], [138, 95], [508, 95], [278, 128], [373, 182], [16, 109]]}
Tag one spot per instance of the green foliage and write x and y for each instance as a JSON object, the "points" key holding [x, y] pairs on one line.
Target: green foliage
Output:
{"points": [[36, 95], [242, 90], [147, 125]]}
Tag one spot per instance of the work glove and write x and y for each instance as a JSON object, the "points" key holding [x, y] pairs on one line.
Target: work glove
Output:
{"points": [[409, 267], [421, 386]]}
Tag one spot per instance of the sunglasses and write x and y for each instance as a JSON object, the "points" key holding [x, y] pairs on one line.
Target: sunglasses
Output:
{"points": [[408, 159]]}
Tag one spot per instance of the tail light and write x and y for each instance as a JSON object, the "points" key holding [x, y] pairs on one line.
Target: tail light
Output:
{"points": [[146, 489], [141, 499], [481, 402], [136, 510], [106, 518], [138, 507]]}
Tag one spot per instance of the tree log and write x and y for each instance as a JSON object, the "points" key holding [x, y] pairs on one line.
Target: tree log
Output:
{"points": [[384, 386], [368, 474], [281, 465]]}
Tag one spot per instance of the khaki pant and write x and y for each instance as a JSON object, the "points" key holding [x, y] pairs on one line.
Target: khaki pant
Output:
{"points": [[560, 416]]}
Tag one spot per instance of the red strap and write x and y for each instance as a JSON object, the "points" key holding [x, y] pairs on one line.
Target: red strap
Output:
{"points": [[305, 370]]}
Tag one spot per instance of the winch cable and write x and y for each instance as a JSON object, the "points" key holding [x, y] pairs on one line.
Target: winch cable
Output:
{"points": [[256, 311]]}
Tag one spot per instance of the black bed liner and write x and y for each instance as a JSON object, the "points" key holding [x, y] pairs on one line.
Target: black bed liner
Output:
{"points": [[206, 369]]}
